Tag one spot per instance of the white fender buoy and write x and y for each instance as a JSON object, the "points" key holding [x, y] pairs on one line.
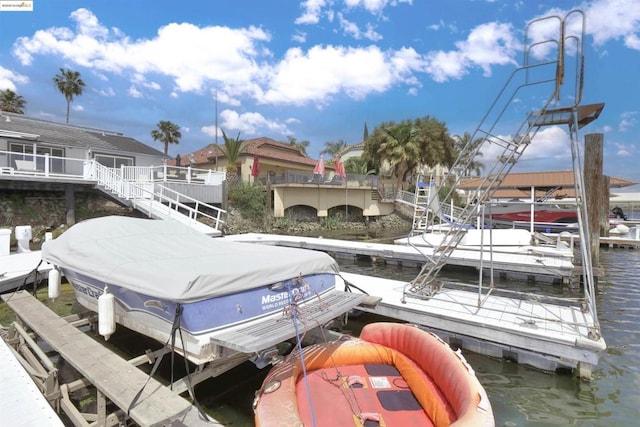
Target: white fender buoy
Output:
{"points": [[54, 283], [106, 314]]}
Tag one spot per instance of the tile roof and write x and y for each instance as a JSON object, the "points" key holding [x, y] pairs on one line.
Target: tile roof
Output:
{"points": [[540, 180], [263, 147]]}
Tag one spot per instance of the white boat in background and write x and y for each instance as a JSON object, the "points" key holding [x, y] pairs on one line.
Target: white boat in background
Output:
{"points": [[222, 297], [511, 241], [510, 250], [21, 269]]}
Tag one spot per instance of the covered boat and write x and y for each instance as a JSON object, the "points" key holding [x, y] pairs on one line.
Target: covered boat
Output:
{"points": [[223, 297], [393, 375]]}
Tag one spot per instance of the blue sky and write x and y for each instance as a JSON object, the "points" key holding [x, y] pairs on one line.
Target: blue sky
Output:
{"points": [[317, 70]]}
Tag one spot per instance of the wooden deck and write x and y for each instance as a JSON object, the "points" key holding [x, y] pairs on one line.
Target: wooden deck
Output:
{"points": [[545, 335], [114, 377]]}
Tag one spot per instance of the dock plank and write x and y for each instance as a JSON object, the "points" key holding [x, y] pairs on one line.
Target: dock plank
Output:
{"points": [[118, 380]]}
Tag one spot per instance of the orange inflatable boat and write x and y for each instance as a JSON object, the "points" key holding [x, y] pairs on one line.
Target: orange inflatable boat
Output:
{"points": [[393, 375]]}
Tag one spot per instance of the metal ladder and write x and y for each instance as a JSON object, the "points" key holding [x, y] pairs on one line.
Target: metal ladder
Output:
{"points": [[528, 77], [422, 204]]}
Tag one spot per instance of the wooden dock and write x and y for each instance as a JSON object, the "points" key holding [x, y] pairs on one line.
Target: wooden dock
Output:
{"points": [[545, 335], [112, 376], [530, 266]]}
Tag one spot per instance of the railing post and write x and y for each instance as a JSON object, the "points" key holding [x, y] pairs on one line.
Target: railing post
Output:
{"points": [[46, 164]]}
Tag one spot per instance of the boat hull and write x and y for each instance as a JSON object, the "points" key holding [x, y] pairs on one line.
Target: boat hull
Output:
{"points": [[199, 321], [394, 374]]}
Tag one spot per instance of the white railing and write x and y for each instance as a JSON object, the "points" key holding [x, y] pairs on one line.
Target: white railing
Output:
{"points": [[41, 165], [195, 211], [167, 173], [111, 179]]}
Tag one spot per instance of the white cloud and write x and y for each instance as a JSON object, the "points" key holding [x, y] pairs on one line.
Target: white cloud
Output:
{"points": [[299, 37], [628, 120], [109, 92], [250, 123], [374, 6], [8, 79], [191, 55], [487, 45], [551, 143], [352, 29], [322, 72], [312, 12], [134, 93]]}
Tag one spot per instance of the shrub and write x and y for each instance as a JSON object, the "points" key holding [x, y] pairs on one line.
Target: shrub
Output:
{"points": [[249, 199]]}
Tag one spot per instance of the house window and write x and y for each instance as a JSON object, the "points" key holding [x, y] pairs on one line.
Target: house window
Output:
{"points": [[111, 161], [25, 152]]}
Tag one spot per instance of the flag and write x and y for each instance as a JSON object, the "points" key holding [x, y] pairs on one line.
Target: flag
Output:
{"points": [[255, 168]]}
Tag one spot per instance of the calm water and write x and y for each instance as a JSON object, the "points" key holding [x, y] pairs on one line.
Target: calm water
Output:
{"points": [[523, 396], [520, 396]]}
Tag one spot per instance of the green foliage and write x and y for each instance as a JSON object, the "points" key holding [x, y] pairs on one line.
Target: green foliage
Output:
{"points": [[408, 145], [167, 133], [468, 154], [284, 223], [357, 165], [333, 221], [445, 193], [69, 84], [333, 148], [11, 102], [232, 149], [301, 146], [250, 199]]}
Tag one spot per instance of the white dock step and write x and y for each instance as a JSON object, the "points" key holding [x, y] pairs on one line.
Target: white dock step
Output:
{"points": [[262, 334]]}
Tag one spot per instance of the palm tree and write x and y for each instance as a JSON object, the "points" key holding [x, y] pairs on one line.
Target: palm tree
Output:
{"points": [[408, 145], [402, 148], [69, 84], [301, 146], [167, 133], [358, 166], [333, 148], [11, 102], [468, 153], [232, 149]]}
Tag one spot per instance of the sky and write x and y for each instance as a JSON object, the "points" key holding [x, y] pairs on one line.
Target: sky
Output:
{"points": [[317, 70]]}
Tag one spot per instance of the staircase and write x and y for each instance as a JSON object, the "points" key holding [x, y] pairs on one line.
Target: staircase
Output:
{"points": [[158, 201], [561, 107]]}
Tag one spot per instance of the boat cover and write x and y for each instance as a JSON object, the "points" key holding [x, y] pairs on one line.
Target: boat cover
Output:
{"points": [[169, 260]]}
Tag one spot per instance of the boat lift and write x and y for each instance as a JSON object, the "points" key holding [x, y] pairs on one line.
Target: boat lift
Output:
{"points": [[562, 107]]}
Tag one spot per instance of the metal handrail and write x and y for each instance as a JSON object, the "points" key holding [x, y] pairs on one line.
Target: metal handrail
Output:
{"points": [[112, 180]]}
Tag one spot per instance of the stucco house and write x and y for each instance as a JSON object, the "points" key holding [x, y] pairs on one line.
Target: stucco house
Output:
{"points": [[278, 161]]}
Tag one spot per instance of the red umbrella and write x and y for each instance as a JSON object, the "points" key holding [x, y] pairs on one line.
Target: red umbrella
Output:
{"points": [[319, 169], [339, 168], [255, 168]]}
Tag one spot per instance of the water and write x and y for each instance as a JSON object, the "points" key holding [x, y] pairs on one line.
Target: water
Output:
{"points": [[521, 396]]}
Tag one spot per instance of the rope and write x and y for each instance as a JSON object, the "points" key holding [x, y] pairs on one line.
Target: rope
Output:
{"points": [[294, 314], [175, 327]]}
